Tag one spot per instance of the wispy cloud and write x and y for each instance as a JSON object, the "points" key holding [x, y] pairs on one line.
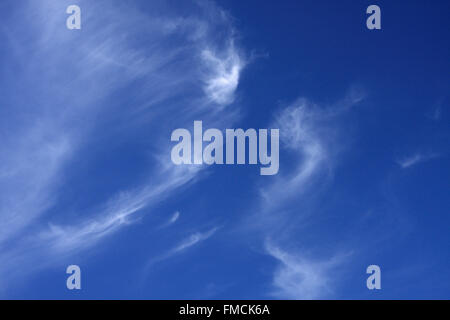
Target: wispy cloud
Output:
{"points": [[302, 279], [174, 217], [184, 244], [224, 70], [71, 83], [30, 166], [116, 213], [311, 139], [193, 240], [416, 158]]}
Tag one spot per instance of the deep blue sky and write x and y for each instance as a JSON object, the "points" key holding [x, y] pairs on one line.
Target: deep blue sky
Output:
{"points": [[85, 171]]}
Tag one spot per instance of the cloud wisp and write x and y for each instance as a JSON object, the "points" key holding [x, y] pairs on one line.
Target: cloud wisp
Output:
{"points": [[222, 83], [311, 139], [71, 109], [174, 217], [185, 244], [415, 159], [302, 279], [117, 213]]}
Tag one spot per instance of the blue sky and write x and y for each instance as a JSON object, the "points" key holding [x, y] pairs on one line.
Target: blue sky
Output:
{"points": [[86, 176]]}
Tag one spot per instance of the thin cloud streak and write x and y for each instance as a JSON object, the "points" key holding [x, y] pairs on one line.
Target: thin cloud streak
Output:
{"points": [[193, 240], [105, 61], [310, 137], [118, 213], [415, 159], [174, 217], [302, 279], [185, 244]]}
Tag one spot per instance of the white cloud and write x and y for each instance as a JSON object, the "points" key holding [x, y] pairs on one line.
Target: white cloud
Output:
{"points": [[184, 245], [311, 137], [174, 217], [74, 77], [117, 213], [154, 64], [301, 137], [414, 159], [224, 70], [302, 279], [30, 164], [193, 240]]}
